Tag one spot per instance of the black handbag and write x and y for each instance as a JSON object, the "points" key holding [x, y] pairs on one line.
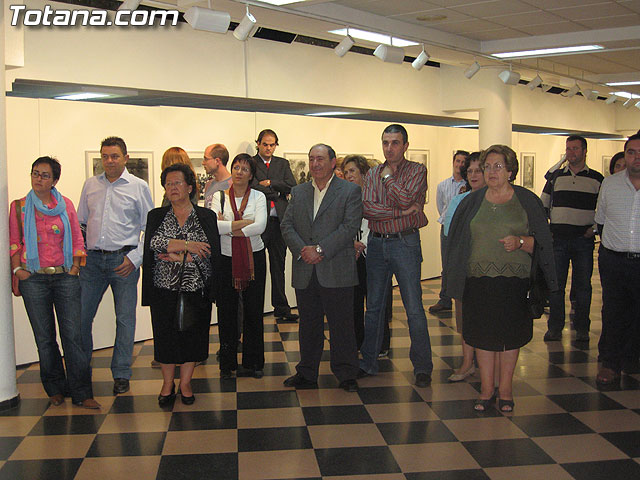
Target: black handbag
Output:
{"points": [[187, 311], [538, 291]]}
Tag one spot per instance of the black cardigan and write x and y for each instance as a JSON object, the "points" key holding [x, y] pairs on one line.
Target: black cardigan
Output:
{"points": [[209, 223], [459, 239]]}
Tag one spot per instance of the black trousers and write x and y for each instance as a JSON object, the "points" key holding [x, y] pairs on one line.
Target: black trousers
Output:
{"points": [[314, 302], [619, 340], [274, 244], [359, 297], [252, 307]]}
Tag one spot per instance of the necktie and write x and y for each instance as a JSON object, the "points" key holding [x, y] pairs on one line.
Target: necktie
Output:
{"points": [[272, 202]]}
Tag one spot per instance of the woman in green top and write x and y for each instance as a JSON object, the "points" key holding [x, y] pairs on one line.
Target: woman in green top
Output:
{"points": [[493, 235]]}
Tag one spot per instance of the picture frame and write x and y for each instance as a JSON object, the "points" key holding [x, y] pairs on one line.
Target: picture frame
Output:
{"points": [[299, 163], [140, 164], [528, 169], [421, 156], [606, 160]]}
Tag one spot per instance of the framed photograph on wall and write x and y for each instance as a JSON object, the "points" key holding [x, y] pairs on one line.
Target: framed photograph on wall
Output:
{"points": [[201, 174], [299, 163], [606, 160], [527, 169], [140, 164], [421, 156]]}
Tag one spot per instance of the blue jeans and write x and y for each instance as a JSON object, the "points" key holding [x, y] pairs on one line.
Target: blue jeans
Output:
{"points": [[578, 251], [41, 293], [400, 257], [95, 278]]}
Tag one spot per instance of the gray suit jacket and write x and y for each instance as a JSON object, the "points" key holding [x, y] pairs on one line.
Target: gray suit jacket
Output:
{"points": [[334, 228], [282, 181]]}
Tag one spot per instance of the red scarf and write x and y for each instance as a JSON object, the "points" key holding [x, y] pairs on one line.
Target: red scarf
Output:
{"points": [[241, 251]]}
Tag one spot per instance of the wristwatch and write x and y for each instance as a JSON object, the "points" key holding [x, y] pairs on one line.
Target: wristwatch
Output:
{"points": [[521, 242], [386, 176], [319, 250]]}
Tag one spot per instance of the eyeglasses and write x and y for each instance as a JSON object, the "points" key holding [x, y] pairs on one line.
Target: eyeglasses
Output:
{"points": [[173, 184], [43, 175], [488, 167], [238, 168]]}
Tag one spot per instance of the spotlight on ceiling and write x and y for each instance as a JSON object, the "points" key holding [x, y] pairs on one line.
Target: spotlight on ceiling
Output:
{"points": [[535, 82], [590, 94], [546, 87], [509, 78], [201, 18], [573, 90], [472, 70], [246, 27], [611, 99], [130, 5], [390, 54], [420, 60], [638, 105], [344, 46], [629, 102]]}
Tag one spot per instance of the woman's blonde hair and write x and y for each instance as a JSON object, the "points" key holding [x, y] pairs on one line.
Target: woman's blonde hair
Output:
{"points": [[175, 155]]}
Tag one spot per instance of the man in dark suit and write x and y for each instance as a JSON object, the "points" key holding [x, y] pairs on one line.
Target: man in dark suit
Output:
{"points": [[319, 226], [275, 179]]}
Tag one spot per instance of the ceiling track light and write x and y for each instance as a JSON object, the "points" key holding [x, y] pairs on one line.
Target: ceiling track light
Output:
{"points": [[546, 87], [573, 91], [472, 70], [638, 105], [535, 82], [201, 18], [509, 77], [388, 53], [611, 99], [246, 27], [590, 94], [629, 102], [420, 60], [345, 45], [130, 5]]}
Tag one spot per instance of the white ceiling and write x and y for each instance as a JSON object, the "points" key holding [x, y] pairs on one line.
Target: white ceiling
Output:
{"points": [[457, 31]]}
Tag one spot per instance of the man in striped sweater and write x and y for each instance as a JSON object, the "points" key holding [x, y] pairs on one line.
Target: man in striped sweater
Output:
{"points": [[570, 196]]}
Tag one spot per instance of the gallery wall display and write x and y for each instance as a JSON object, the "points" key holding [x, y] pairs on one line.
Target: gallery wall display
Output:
{"points": [[606, 160], [421, 156], [140, 164], [527, 169], [201, 175], [299, 163]]}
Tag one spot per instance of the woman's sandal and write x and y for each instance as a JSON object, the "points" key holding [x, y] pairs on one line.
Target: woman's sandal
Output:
{"points": [[482, 405], [505, 406]]}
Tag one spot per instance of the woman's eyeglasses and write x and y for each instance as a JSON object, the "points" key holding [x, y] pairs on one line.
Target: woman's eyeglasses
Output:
{"points": [[169, 185], [488, 167], [43, 175]]}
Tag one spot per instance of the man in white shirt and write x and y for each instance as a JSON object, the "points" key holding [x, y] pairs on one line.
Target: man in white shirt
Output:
{"points": [[618, 215], [447, 189], [113, 208], [215, 161]]}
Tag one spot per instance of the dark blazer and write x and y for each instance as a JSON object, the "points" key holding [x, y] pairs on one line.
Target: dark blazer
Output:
{"points": [[334, 228], [459, 239], [209, 224], [282, 181]]}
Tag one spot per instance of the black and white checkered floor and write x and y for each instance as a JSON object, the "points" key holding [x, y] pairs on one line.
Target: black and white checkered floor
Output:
{"points": [[563, 426]]}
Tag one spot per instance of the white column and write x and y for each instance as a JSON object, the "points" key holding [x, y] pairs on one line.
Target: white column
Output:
{"points": [[494, 119], [8, 389]]}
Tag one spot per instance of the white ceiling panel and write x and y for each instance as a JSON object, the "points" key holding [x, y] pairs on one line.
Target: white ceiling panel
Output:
{"points": [[609, 9], [633, 5], [500, 34], [552, 28], [466, 27], [612, 22], [523, 19], [551, 4], [452, 16], [494, 8], [396, 7]]}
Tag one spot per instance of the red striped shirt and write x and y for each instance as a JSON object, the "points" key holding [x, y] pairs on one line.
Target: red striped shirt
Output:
{"points": [[383, 202]]}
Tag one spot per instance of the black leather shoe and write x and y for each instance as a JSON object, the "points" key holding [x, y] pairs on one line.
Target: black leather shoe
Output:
{"points": [[349, 385], [245, 372], [423, 380], [188, 400], [166, 400], [439, 307], [289, 317], [298, 381], [552, 336], [120, 385], [226, 374], [362, 374]]}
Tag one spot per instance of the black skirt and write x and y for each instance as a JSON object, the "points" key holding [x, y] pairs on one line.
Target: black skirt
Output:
{"points": [[170, 345], [495, 316]]}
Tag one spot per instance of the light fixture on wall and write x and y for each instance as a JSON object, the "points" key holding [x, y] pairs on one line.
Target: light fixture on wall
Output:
{"points": [[611, 99], [130, 5], [573, 90], [246, 27], [201, 18], [472, 70], [388, 53], [420, 60], [509, 77], [345, 45], [534, 82]]}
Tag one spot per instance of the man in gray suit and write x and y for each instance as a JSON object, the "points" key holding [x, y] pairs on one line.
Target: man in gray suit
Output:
{"points": [[319, 226]]}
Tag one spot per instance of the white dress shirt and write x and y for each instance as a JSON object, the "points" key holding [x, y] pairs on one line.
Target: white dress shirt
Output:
{"points": [[255, 210], [115, 213], [447, 189], [618, 210], [318, 195]]}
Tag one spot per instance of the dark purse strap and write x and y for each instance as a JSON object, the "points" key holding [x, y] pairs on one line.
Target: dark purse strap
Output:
{"points": [[184, 261]]}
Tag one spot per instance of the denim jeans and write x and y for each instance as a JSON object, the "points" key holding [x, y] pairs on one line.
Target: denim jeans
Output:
{"points": [[400, 257], [578, 251], [95, 278], [41, 293]]}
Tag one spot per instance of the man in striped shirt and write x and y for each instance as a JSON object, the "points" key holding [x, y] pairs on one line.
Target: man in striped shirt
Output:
{"points": [[570, 197], [394, 195]]}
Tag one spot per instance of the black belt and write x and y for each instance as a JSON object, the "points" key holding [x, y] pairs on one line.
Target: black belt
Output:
{"points": [[627, 255], [395, 235], [124, 249]]}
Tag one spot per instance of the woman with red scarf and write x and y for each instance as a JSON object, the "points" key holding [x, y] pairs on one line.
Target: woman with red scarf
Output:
{"points": [[242, 217]]}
